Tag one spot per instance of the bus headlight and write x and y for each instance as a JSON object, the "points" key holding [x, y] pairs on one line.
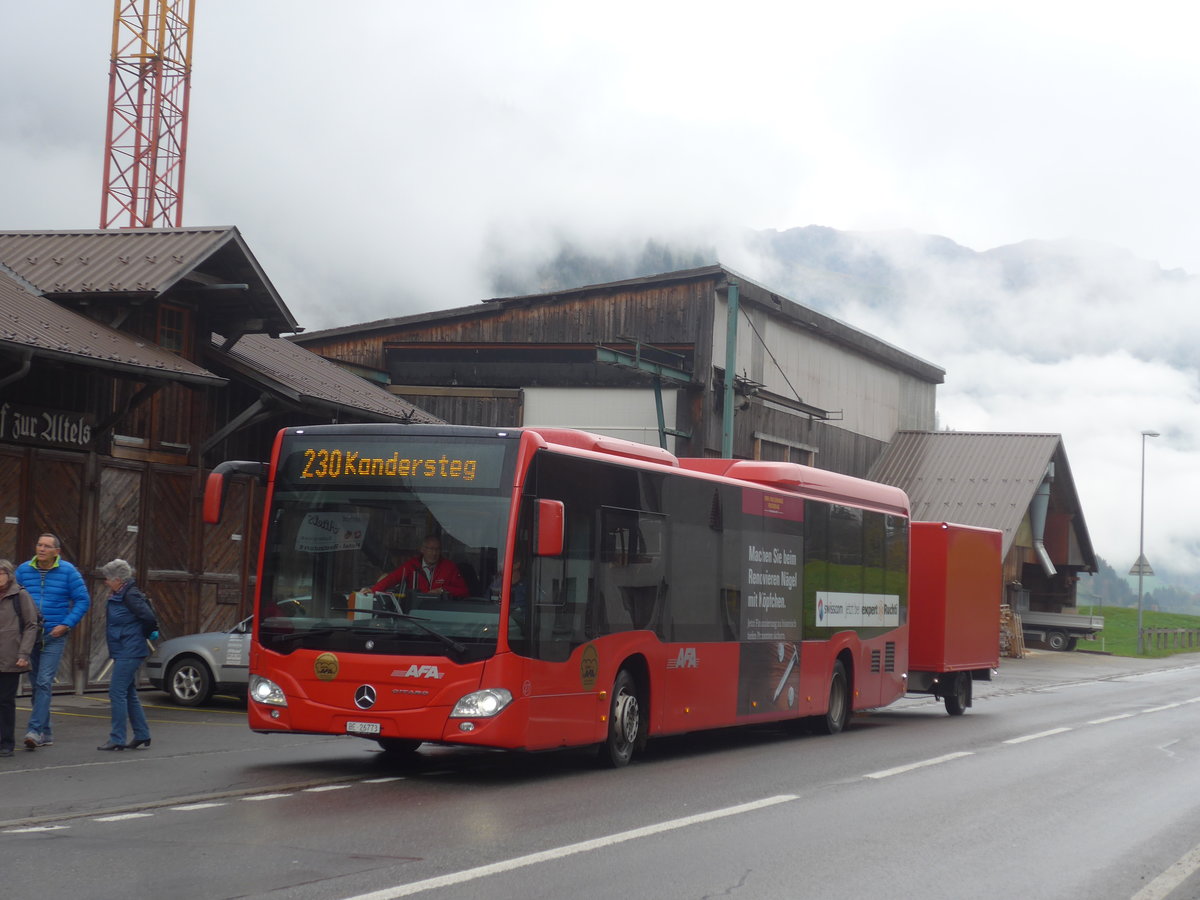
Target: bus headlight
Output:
{"points": [[481, 704], [264, 690]]}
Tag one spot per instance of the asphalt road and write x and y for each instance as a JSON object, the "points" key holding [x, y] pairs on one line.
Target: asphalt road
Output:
{"points": [[1072, 776]]}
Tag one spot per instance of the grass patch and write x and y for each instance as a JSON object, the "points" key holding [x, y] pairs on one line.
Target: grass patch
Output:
{"points": [[1119, 636]]}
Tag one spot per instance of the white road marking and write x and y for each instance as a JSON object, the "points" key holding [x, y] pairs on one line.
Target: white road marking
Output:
{"points": [[532, 859], [327, 787], [1161, 708], [265, 797], [189, 807], [32, 828], [1108, 719], [1174, 876], [383, 780], [917, 765], [123, 816], [1034, 737]]}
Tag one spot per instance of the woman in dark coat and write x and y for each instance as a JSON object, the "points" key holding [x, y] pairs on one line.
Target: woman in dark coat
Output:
{"points": [[130, 622], [18, 632]]}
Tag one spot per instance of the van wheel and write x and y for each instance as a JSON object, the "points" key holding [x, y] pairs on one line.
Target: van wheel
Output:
{"points": [[838, 714], [627, 722], [1056, 640]]}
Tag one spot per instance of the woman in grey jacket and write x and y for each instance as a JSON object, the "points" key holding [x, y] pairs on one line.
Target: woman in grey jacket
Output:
{"points": [[130, 622], [18, 632]]}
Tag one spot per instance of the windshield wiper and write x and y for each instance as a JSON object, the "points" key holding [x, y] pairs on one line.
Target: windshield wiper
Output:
{"points": [[296, 635], [459, 649]]}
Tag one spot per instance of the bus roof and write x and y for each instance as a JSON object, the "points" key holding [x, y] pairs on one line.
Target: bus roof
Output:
{"points": [[784, 476]]}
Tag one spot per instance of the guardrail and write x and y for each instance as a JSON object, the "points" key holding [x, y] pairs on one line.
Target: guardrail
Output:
{"points": [[1171, 638]]}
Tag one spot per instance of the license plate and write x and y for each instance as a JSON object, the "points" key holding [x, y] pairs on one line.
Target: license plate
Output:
{"points": [[362, 728]]}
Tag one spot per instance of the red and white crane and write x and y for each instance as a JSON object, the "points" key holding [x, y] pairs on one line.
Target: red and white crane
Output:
{"points": [[146, 136]]}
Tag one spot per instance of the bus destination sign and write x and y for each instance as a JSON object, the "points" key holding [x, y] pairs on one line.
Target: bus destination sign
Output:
{"points": [[359, 462]]}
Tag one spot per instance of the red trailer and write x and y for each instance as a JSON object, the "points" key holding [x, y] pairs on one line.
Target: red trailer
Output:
{"points": [[954, 610]]}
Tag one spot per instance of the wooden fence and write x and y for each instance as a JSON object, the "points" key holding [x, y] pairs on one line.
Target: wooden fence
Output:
{"points": [[1171, 638]]}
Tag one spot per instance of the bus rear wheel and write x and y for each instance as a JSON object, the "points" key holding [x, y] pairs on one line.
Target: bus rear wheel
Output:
{"points": [[838, 714], [627, 722]]}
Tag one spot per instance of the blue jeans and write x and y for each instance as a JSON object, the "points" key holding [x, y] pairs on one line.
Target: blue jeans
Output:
{"points": [[123, 697], [43, 666]]}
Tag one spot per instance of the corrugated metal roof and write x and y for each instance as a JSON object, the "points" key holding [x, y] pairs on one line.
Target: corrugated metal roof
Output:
{"points": [[147, 261], [976, 478], [304, 377], [29, 323]]}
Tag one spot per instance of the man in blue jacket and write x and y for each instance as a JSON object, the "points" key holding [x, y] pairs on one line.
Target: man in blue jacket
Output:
{"points": [[58, 589]]}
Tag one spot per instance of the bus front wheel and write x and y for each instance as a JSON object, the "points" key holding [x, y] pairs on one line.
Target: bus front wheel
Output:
{"points": [[398, 747], [838, 714], [626, 722]]}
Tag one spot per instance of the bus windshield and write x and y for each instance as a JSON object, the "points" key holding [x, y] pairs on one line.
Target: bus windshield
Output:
{"points": [[385, 544]]}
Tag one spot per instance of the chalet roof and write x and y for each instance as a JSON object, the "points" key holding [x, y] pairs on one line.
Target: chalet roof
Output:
{"points": [[35, 326], [982, 479], [303, 377], [68, 266], [749, 292], [214, 266]]}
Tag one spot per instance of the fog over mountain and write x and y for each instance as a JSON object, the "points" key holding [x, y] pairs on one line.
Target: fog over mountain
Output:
{"points": [[1070, 337]]}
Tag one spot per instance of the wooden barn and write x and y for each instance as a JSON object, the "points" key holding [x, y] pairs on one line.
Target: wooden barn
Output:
{"points": [[131, 362], [645, 359]]}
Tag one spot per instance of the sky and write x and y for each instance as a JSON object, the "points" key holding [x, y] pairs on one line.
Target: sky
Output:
{"points": [[382, 156]]}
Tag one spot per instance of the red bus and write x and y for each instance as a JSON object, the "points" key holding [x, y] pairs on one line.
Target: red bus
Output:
{"points": [[658, 595]]}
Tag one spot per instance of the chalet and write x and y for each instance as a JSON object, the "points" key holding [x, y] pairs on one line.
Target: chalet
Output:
{"points": [[131, 362]]}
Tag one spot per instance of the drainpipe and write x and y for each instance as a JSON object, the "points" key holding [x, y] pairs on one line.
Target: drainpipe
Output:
{"points": [[1037, 521], [731, 321], [26, 362]]}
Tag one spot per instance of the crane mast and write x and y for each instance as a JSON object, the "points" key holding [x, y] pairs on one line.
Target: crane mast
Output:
{"points": [[146, 136]]}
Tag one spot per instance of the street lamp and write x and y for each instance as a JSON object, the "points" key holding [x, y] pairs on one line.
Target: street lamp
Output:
{"points": [[1142, 565]]}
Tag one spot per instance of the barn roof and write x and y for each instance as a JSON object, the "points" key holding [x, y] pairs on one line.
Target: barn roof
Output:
{"points": [[750, 292]]}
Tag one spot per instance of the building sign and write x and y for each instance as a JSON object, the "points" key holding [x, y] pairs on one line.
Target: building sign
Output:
{"points": [[45, 427]]}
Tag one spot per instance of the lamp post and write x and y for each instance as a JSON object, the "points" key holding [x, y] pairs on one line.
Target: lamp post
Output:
{"points": [[1142, 565]]}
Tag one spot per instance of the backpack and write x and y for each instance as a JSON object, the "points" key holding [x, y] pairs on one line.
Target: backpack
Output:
{"points": [[41, 620]]}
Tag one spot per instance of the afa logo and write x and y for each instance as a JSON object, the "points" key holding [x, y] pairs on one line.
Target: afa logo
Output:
{"points": [[685, 660], [415, 671], [325, 667]]}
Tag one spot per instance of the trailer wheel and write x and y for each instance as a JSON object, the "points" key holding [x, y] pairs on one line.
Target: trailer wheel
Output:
{"points": [[838, 714], [1056, 640], [959, 697], [627, 722]]}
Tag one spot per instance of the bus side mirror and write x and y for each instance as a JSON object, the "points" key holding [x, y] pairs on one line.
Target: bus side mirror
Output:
{"points": [[214, 486], [549, 539]]}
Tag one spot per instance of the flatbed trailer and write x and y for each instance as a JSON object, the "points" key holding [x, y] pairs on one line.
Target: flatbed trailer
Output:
{"points": [[956, 584], [1059, 631]]}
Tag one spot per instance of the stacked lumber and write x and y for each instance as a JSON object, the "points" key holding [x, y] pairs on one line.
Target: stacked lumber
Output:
{"points": [[1012, 639]]}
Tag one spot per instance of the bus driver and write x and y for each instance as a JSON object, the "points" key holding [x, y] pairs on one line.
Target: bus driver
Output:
{"points": [[426, 573]]}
